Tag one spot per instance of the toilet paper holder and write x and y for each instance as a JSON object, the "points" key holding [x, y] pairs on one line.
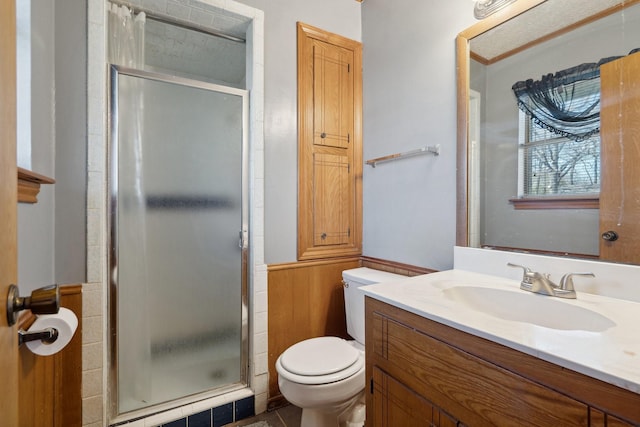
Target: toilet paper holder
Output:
{"points": [[48, 335]]}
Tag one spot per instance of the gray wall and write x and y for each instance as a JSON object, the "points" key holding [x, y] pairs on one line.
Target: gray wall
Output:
{"points": [[410, 102], [36, 222], [51, 233], [70, 141]]}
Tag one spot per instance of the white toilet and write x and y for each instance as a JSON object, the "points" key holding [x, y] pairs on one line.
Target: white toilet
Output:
{"points": [[325, 376]]}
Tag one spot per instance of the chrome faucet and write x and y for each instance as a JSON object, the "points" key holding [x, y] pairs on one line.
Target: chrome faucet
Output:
{"points": [[566, 289], [539, 283]]}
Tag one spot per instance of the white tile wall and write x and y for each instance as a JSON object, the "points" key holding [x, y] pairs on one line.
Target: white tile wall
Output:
{"points": [[94, 357]]}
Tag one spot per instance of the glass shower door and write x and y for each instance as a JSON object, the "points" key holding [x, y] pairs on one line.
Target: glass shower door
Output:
{"points": [[179, 227]]}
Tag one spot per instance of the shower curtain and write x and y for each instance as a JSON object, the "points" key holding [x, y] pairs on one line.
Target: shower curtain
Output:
{"points": [[126, 48], [126, 36]]}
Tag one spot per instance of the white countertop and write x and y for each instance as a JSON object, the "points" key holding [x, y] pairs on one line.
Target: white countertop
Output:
{"points": [[608, 351]]}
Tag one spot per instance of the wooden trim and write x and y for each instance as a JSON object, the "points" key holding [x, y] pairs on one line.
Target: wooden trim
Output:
{"points": [[478, 58], [394, 267], [564, 30], [542, 252], [29, 185], [276, 402], [364, 261], [528, 203], [307, 264], [462, 77]]}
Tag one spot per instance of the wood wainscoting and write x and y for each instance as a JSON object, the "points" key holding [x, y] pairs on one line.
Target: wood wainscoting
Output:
{"points": [[50, 388], [306, 301]]}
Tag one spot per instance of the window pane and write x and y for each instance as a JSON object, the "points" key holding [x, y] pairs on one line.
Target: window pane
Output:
{"points": [[562, 167]]}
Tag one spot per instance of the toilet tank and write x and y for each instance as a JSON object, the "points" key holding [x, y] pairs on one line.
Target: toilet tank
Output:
{"points": [[354, 299]]}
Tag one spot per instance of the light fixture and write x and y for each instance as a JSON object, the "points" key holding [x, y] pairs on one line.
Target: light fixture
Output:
{"points": [[484, 8]]}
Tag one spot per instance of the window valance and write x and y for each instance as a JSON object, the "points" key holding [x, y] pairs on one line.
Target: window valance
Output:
{"points": [[567, 102]]}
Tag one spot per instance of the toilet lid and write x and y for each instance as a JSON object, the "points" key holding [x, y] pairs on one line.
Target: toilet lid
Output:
{"points": [[319, 356]]}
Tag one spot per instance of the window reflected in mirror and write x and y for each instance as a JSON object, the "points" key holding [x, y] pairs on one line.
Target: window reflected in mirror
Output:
{"points": [[534, 165]]}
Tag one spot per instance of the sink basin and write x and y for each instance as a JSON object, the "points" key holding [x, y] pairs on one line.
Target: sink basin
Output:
{"points": [[525, 307]]}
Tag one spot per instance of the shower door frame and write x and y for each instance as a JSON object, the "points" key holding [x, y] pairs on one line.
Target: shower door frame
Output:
{"points": [[112, 232]]}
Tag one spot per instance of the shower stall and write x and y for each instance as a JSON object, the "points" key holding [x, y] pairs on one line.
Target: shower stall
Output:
{"points": [[181, 267], [178, 213], [179, 237]]}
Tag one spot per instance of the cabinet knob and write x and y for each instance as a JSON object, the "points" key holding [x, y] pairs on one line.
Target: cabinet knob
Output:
{"points": [[323, 135], [610, 236]]}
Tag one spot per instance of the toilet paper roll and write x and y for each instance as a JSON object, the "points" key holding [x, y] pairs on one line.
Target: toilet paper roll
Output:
{"points": [[65, 322]]}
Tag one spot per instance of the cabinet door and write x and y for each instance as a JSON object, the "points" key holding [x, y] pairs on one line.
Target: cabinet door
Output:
{"points": [[598, 418], [332, 95], [332, 199], [396, 405]]}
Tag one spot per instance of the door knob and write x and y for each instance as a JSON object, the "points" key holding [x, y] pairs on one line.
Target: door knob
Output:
{"points": [[45, 300], [610, 236]]}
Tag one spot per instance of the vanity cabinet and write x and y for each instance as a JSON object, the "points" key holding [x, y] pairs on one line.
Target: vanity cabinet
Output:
{"points": [[424, 373]]}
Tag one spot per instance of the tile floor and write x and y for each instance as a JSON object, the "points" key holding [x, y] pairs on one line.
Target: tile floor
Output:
{"points": [[287, 416]]}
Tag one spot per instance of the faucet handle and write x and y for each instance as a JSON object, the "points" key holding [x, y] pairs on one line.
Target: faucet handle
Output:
{"points": [[526, 269], [526, 272], [566, 283], [528, 276]]}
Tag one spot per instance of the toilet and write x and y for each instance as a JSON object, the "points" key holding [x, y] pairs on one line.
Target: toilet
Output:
{"points": [[325, 376]]}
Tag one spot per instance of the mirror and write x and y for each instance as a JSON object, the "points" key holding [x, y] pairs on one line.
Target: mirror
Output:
{"points": [[527, 40]]}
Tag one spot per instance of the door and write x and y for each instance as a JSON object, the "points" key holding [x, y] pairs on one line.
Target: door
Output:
{"points": [[8, 212], [620, 154], [179, 237]]}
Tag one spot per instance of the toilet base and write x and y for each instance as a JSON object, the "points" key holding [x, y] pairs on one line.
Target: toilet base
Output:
{"points": [[350, 414]]}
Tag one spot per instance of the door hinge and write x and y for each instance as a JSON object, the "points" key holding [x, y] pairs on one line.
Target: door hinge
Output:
{"points": [[349, 232], [348, 138], [348, 167], [371, 386], [348, 68]]}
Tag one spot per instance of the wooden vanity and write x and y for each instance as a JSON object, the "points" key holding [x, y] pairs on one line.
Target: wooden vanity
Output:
{"points": [[424, 373]]}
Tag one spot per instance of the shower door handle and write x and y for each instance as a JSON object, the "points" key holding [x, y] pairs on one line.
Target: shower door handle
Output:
{"points": [[242, 239]]}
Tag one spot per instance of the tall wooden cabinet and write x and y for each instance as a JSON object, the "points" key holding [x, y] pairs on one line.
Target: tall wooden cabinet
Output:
{"points": [[329, 145]]}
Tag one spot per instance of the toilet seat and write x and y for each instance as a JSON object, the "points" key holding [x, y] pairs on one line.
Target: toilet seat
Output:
{"points": [[320, 360]]}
